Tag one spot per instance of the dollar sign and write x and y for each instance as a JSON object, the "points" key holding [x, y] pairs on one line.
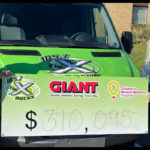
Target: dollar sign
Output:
{"points": [[32, 126]]}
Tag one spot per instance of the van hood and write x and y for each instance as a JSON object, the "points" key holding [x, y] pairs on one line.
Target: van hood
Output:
{"points": [[68, 61]]}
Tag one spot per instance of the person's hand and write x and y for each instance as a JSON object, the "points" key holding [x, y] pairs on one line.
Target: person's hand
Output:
{"points": [[6, 73], [148, 97]]}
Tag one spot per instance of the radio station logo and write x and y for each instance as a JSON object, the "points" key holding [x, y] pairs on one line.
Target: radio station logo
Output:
{"points": [[125, 91], [113, 90], [22, 89], [57, 64]]}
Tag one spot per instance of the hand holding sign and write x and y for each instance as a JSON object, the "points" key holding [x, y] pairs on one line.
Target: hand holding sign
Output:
{"points": [[148, 97], [5, 73]]}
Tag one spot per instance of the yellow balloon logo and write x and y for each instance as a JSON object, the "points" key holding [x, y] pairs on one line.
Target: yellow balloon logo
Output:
{"points": [[113, 92]]}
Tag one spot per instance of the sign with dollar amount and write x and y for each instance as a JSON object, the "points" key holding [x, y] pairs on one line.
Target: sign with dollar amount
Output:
{"points": [[49, 105]]}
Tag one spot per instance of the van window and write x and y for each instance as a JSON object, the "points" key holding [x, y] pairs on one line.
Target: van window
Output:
{"points": [[99, 26], [56, 24]]}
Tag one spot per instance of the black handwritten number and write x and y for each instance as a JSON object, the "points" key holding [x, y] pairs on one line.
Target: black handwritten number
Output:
{"points": [[75, 121], [102, 118], [51, 120]]}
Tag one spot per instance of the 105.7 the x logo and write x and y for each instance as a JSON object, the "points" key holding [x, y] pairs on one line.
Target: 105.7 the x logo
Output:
{"points": [[23, 89], [70, 66]]}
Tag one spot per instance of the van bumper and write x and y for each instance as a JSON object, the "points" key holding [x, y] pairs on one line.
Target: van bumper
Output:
{"points": [[89, 141]]}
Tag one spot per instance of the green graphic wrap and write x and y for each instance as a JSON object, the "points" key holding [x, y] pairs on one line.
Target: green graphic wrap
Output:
{"points": [[49, 105]]}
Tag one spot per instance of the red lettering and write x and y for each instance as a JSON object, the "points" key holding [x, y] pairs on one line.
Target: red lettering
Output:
{"points": [[64, 85], [61, 86], [54, 83], [72, 87], [84, 87], [93, 86]]}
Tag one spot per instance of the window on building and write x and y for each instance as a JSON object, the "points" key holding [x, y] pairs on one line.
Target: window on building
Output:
{"points": [[139, 15]]}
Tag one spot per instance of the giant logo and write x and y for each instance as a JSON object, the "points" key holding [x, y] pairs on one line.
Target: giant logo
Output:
{"points": [[72, 87]]}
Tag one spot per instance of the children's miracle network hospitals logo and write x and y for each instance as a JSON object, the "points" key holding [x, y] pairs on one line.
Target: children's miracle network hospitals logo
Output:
{"points": [[125, 92], [22, 89]]}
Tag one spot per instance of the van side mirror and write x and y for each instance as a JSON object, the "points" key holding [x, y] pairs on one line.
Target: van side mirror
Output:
{"points": [[127, 41]]}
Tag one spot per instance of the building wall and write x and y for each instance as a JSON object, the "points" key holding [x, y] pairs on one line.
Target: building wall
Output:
{"points": [[121, 14], [148, 16]]}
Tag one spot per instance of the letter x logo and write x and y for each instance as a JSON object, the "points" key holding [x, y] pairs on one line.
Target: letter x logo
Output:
{"points": [[22, 88], [70, 66]]}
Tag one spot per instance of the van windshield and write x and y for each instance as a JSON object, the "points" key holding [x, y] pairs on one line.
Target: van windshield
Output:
{"points": [[56, 24]]}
